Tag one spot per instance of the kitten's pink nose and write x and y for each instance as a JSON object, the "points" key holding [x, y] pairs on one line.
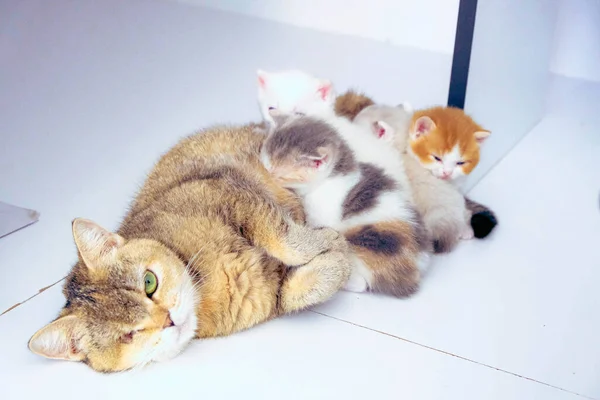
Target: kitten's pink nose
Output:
{"points": [[445, 174]]}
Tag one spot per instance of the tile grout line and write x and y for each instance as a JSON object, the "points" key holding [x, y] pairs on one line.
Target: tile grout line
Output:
{"points": [[30, 297], [372, 330], [452, 354]]}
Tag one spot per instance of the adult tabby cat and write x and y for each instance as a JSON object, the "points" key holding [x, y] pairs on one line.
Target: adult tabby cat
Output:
{"points": [[210, 246]]}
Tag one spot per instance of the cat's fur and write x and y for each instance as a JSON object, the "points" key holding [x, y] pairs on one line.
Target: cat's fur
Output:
{"points": [[430, 193], [351, 103], [440, 204], [354, 183], [446, 141], [226, 243]]}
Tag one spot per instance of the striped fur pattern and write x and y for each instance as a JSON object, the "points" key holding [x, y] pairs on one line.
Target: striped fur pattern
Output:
{"points": [[220, 238]]}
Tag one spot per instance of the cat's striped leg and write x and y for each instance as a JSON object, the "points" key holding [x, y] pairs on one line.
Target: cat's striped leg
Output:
{"points": [[292, 243], [270, 227], [390, 257], [266, 224], [315, 282]]}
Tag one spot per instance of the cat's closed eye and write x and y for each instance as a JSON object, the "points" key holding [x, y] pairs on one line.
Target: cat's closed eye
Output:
{"points": [[461, 162], [271, 108], [436, 158]]}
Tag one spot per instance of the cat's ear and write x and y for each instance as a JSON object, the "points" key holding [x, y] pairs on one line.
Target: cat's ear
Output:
{"points": [[480, 136], [59, 340], [96, 245], [421, 127], [262, 78], [325, 90], [383, 130], [318, 160]]}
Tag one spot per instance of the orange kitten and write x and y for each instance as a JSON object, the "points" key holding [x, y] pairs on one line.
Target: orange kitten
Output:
{"points": [[446, 141]]}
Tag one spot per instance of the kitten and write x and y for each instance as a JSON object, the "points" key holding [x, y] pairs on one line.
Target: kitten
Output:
{"points": [[429, 194], [293, 92], [441, 206], [446, 141], [354, 183], [206, 250]]}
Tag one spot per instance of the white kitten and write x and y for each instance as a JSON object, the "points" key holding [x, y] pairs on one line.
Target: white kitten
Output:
{"points": [[293, 92]]}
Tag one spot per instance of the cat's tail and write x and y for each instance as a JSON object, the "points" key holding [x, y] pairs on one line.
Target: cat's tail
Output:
{"points": [[443, 229], [351, 103], [388, 257], [483, 220]]}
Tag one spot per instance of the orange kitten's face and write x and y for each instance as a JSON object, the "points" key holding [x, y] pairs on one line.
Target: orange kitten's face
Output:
{"points": [[128, 303], [446, 141]]}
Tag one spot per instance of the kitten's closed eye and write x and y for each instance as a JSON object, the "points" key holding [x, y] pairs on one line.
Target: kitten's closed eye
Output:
{"points": [[461, 162], [271, 108], [299, 113], [436, 158]]}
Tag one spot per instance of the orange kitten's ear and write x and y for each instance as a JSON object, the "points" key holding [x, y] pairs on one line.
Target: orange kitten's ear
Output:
{"points": [[262, 78], [480, 136], [421, 127], [325, 90], [59, 340], [383, 130], [96, 245]]}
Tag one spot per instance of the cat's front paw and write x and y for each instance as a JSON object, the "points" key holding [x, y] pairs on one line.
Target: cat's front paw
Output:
{"points": [[333, 240], [306, 243], [467, 233]]}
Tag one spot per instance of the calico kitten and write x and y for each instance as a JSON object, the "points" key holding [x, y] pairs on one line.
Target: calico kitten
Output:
{"points": [[446, 141], [354, 183], [211, 245], [441, 205]]}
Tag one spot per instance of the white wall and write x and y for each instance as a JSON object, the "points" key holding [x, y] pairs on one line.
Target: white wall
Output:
{"points": [[92, 92], [426, 24], [577, 41], [509, 74]]}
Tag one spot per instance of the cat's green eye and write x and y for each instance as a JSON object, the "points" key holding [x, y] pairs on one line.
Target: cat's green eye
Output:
{"points": [[150, 283]]}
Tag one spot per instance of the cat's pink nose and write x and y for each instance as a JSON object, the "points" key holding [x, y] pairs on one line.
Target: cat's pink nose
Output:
{"points": [[168, 322]]}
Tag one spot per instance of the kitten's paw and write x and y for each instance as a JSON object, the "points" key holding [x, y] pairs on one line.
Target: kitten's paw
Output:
{"points": [[356, 283], [467, 233]]}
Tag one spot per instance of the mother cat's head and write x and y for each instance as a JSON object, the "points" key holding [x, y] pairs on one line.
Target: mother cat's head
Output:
{"points": [[128, 303]]}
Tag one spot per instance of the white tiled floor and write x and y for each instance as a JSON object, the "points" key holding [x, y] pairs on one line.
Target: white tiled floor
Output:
{"points": [[87, 107]]}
